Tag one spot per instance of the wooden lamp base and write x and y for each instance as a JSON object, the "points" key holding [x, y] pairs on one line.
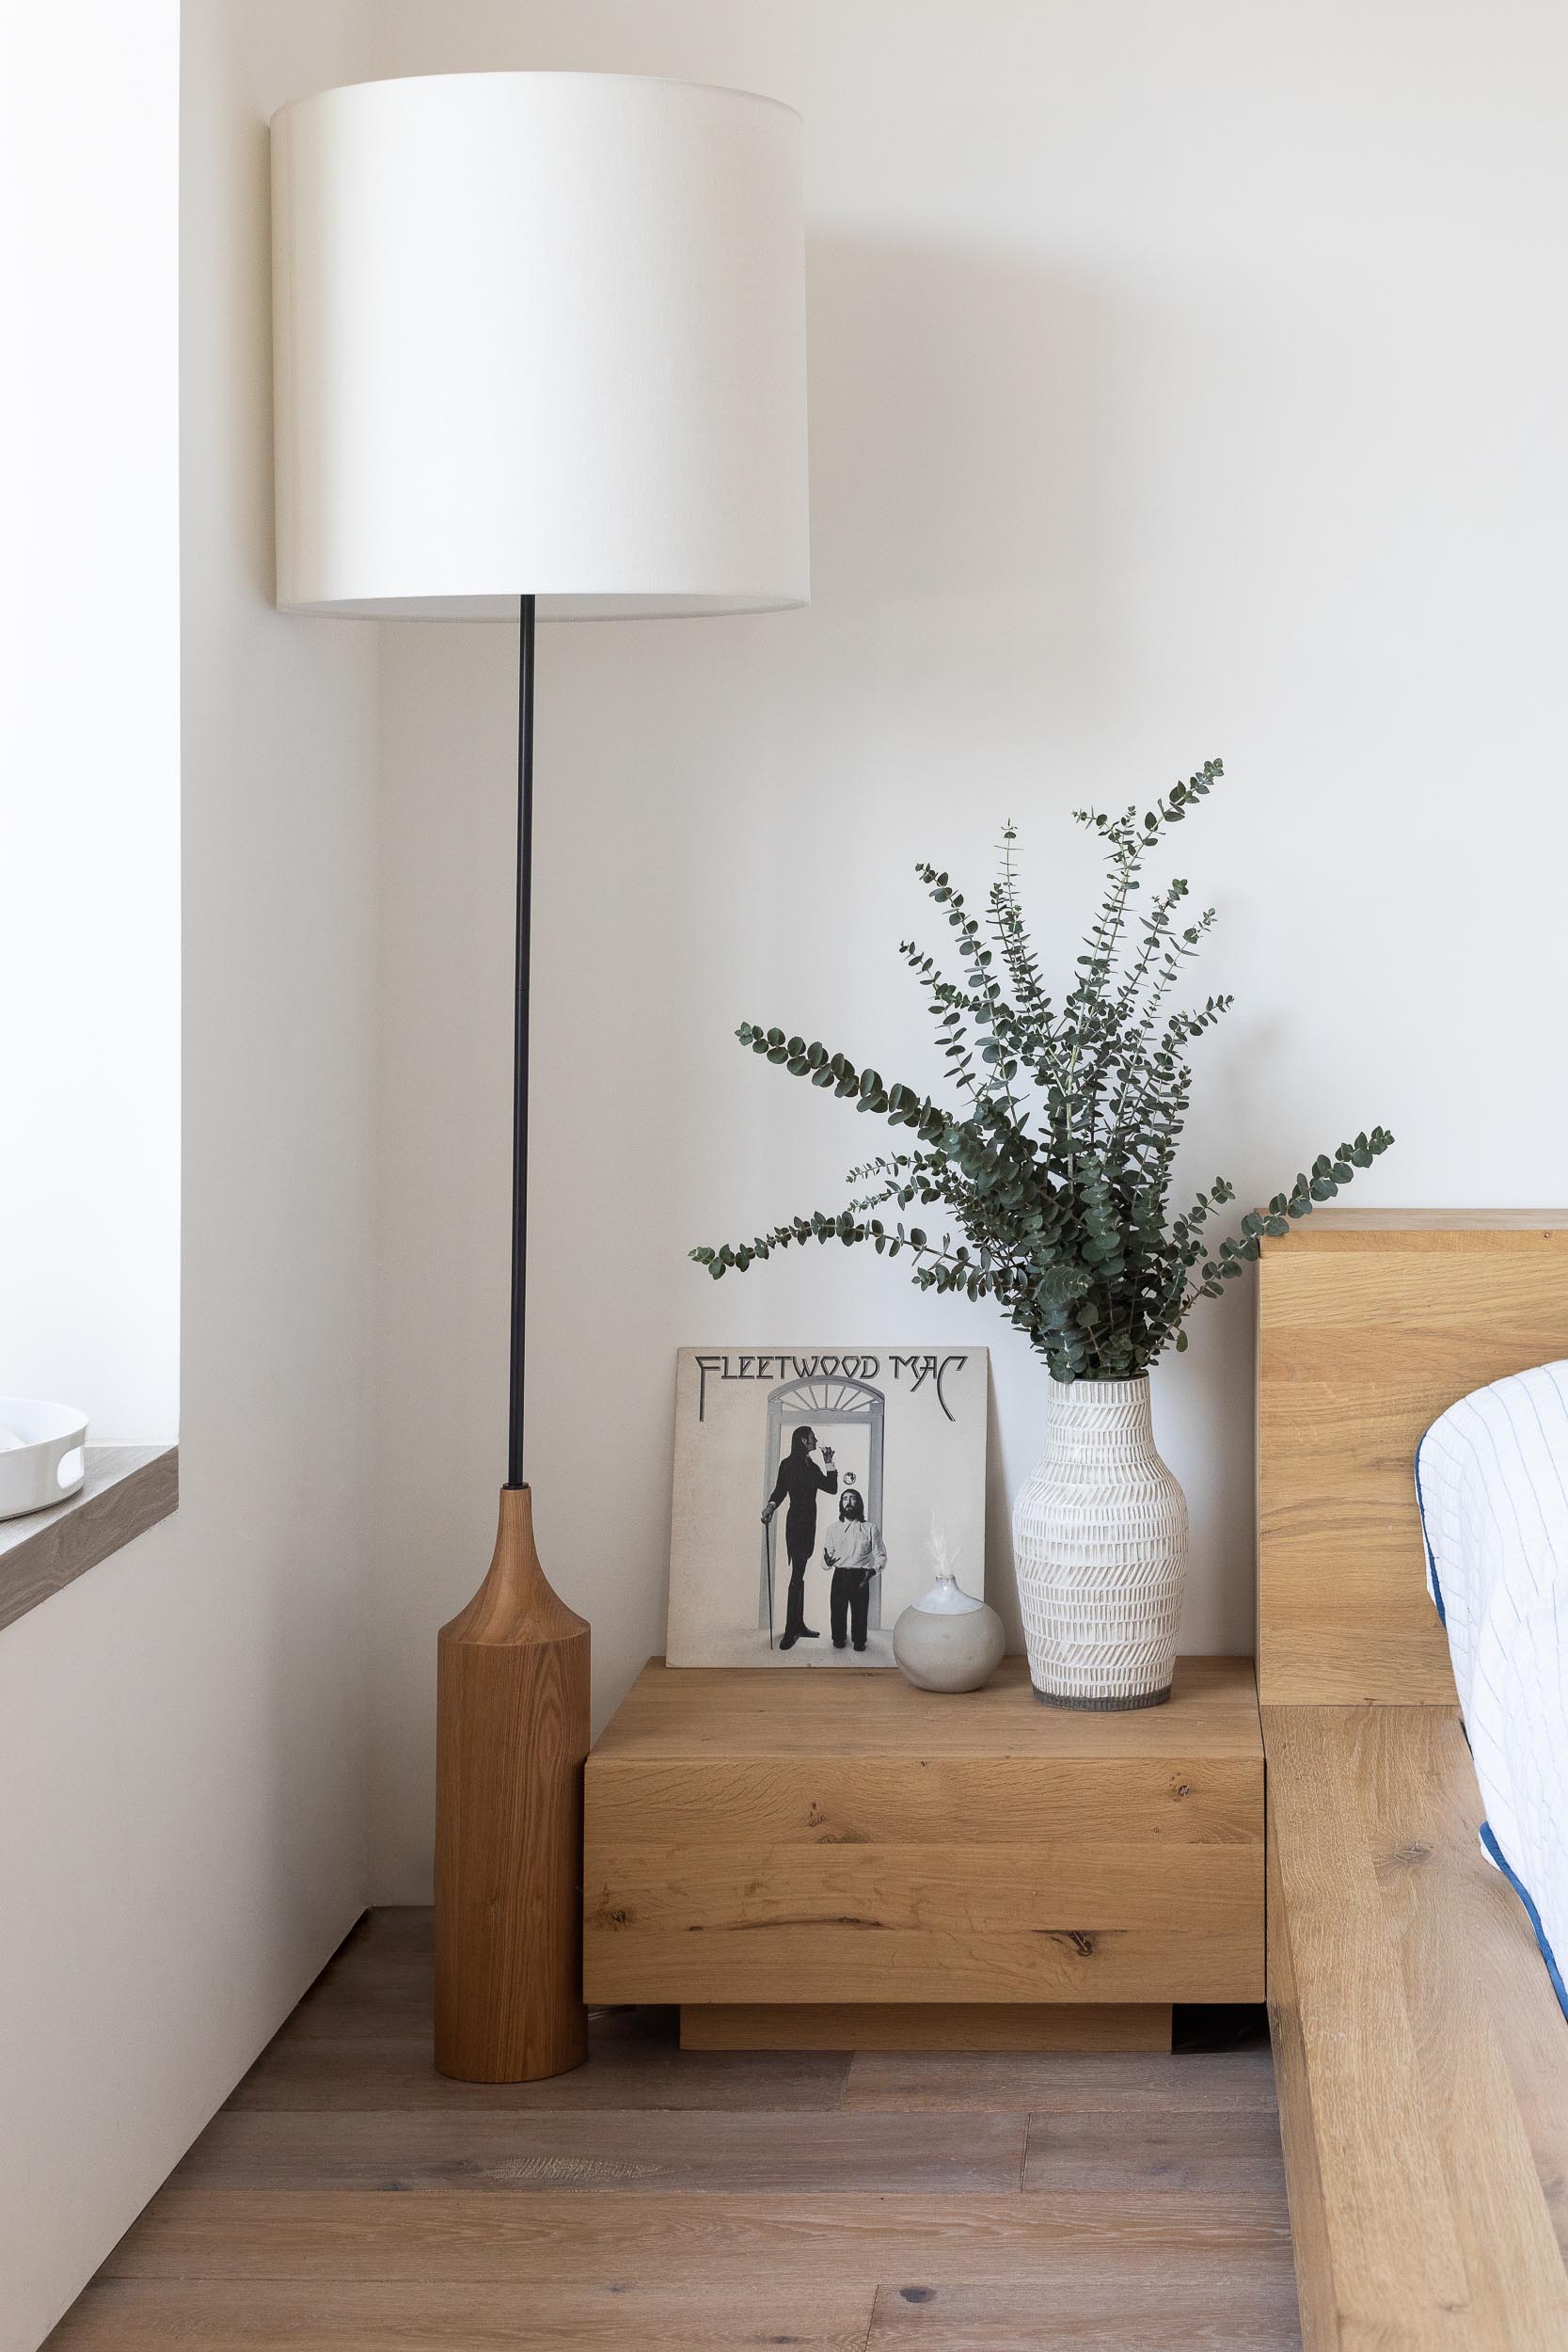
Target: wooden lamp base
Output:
{"points": [[511, 1740]]}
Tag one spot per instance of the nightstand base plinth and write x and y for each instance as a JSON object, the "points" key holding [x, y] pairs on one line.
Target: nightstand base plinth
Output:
{"points": [[1023, 2025]]}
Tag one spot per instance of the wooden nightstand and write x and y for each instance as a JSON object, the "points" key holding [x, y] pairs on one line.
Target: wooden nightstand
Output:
{"points": [[833, 1859]]}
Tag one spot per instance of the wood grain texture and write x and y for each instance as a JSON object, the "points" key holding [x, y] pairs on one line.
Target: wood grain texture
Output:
{"points": [[1069, 2314], [632, 2152], [666, 2238], [1225, 2148], [373, 2207], [948, 2026], [1064, 1957], [810, 2315], [758, 1840], [512, 1721], [1349, 1220], [1315, 2286], [398, 2006], [1423, 2061], [128, 1488], [1059, 2315], [1190, 2083], [917, 1887], [303, 2073], [1367, 1332], [1197, 1798], [714, 1712]]}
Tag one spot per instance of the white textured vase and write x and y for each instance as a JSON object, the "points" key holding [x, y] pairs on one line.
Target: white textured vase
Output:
{"points": [[1100, 1535]]}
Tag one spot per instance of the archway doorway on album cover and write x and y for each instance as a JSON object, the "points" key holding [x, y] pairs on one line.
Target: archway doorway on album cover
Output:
{"points": [[826, 1401]]}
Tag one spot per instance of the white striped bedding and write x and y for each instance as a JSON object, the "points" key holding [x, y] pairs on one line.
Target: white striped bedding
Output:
{"points": [[1492, 1482]]}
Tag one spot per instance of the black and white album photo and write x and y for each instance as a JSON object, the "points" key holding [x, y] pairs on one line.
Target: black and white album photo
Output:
{"points": [[811, 1485]]}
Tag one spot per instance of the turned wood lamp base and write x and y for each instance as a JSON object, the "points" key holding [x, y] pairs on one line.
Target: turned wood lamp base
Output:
{"points": [[511, 1741], [512, 1702]]}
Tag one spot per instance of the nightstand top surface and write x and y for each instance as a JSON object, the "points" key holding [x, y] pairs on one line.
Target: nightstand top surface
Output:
{"points": [[713, 1712]]}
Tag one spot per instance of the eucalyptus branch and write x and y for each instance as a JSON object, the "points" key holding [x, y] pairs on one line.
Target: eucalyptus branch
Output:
{"points": [[1133, 1059], [1007, 922], [1062, 1208]]}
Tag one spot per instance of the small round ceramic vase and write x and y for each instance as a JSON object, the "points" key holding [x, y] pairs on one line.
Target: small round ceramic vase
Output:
{"points": [[1100, 1538], [947, 1640]]}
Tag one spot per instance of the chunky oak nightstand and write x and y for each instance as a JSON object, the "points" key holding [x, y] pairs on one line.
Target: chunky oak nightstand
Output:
{"points": [[832, 1859]]}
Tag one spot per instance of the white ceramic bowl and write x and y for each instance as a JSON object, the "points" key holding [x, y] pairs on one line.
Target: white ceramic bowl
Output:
{"points": [[48, 1461]]}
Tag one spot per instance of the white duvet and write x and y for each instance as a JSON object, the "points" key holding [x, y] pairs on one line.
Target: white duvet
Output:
{"points": [[1492, 1481]]}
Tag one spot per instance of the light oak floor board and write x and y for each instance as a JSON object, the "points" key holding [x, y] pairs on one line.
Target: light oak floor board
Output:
{"points": [[1056, 2318], [626, 2150], [343, 2074], [1197, 2081], [1114, 2153], [348, 2199], [571, 2238], [377, 1987], [124, 2315]]}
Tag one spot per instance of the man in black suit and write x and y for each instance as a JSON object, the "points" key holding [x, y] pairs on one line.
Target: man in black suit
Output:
{"points": [[799, 1484]]}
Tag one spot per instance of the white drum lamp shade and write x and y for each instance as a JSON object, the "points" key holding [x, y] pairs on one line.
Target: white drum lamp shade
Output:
{"points": [[539, 334]]}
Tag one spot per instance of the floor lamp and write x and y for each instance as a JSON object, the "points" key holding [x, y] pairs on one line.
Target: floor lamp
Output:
{"points": [[540, 354]]}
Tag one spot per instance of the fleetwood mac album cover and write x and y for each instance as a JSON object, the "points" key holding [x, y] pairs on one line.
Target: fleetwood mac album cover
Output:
{"points": [[808, 1483]]}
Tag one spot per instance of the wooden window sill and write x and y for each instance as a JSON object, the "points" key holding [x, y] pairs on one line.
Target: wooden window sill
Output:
{"points": [[128, 1490]]}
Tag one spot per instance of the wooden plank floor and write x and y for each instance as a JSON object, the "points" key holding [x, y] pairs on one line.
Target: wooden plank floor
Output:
{"points": [[349, 2200]]}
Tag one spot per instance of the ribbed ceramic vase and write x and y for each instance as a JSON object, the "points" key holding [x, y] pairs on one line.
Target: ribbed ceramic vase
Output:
{"points": [[1100, 1536]]}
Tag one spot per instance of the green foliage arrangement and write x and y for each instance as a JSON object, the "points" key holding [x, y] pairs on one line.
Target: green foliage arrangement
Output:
{"points": [[1058, 1171]]}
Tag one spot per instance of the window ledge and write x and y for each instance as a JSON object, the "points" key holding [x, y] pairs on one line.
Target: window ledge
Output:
{"points": [[128, 1490]]}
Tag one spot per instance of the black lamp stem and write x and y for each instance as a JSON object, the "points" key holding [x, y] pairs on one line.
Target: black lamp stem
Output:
{"points": [[519, 1066]]}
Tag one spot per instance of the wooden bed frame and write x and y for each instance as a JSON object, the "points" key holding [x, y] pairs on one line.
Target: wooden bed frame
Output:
{"points": [[1421, 2055]]}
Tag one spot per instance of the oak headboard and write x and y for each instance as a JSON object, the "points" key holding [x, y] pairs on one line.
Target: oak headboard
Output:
{"points": [[1370, 1325]]}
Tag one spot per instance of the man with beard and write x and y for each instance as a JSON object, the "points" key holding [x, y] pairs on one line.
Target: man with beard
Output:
{"points": [[855, 1553], [799, 1484]]}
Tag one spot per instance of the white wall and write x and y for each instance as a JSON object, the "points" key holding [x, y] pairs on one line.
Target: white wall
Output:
{"points": [[181, 1734], [1184, 380]]}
